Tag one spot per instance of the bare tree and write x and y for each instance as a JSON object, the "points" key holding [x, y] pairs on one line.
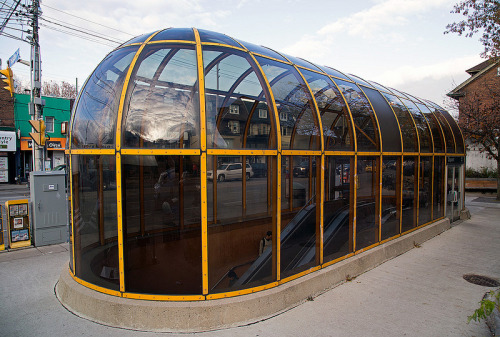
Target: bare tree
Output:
{"points": [[479, 120]]}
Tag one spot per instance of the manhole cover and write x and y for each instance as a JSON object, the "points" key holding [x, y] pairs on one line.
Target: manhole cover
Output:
{"points": [[481, 280]]}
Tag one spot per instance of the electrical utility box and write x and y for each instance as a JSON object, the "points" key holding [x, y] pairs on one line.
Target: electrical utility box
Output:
{"points": [[49, 207]]}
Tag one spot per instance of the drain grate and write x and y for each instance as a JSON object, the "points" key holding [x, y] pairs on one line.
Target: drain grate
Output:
{"points": [[480, 280]]}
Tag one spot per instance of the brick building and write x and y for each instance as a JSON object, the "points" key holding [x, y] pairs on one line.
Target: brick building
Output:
{"points": [[479, 92]]}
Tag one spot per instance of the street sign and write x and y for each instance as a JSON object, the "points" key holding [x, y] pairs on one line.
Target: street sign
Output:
{"points": [[14, 58]]}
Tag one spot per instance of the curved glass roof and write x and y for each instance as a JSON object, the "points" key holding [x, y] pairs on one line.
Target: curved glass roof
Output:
{"points": [[254, 97]]}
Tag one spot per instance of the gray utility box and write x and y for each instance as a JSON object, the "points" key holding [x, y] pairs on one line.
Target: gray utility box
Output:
{"points": [[49, 207]]}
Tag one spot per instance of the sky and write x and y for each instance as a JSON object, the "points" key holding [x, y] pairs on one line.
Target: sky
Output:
{"points": [[398, 43]]}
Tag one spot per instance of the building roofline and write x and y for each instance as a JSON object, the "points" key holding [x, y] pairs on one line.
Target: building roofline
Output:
{"points": [[456, 93]]}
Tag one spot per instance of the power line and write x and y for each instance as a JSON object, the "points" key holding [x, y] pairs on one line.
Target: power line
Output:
{"points": [[76, 35], [121, 31]]}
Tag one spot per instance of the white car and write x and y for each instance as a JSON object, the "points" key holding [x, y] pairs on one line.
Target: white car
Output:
{"points": [[230, 171]]}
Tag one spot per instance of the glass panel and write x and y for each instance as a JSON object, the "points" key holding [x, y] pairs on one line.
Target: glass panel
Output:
{"points": [[237, 109], [391, 140], [162, 224], [422, 127], [300, 62], [409, 191], [183, 34], [213, 37], [438, 191], [300, 223], [333, 72], [337, 215], [262, 50], [399, 93], [391, 196], [139, 39], [239, 203], [448, 134], [337, 129], [366, 126], [408, 132], [95, 220], [425, 191], [359, 80], [437, 135], [299, 126], [367, 232], [456, 131], [163, 102], [97, 109], [379, 86]]}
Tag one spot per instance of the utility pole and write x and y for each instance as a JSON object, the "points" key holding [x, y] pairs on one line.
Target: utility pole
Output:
{"points": [[36, 88]]}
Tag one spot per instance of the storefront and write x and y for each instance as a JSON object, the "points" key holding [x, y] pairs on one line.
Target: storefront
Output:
{"points": [[7, 156], [54, 156]]}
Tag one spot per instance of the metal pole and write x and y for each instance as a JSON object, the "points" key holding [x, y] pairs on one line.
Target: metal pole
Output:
{"points": [[36, 87]]}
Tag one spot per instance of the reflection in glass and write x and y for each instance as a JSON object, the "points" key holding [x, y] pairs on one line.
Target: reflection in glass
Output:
{"points": [[95, 220], [239, 203], [406, 124], [337, 129], [337, 218], [367, 232], [163, 103], [425, 191], [437, 135], [410, 186], [422, 127], [438, 188], [162, 224], [237, 110], [95, 116], [300, 224], [391, 186], [448, 134], [298, 123], [391, 140], [362, 114]]}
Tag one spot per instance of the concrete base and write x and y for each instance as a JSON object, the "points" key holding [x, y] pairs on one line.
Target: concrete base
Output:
{"points": [[162, 316], [464, 214]]}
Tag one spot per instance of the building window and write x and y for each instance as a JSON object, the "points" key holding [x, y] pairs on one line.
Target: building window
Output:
{"points": [[49, 124], [284, 131], [283, 116], [234, 109], [234, 126], [262, 113]]}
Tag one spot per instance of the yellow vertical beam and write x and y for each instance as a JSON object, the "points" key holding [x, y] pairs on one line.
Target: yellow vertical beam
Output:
{"points": [[321, 206], [278, 217], [399, 175], [354, 184], [203, 165], [121, 261]]}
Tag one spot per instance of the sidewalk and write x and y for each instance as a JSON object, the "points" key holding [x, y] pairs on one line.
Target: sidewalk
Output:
{"points": [[419, 293]]}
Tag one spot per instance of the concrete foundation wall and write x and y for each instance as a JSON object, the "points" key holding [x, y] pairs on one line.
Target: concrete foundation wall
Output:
{"points": [[215, 314]]}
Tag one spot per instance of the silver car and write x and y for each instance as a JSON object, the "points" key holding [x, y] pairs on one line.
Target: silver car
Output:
{"points": [[231, 171]]}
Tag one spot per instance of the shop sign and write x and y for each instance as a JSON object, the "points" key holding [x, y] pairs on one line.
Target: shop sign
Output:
{"points": [[53, 144], [8, 141], [455, 160], [49, 144]]}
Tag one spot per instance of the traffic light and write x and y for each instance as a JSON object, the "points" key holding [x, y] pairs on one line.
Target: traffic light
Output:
{"points": [[9, 80], [38, 136]]}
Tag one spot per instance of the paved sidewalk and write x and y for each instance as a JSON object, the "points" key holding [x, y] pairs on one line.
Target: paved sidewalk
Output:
{"points": [[419, 293]]}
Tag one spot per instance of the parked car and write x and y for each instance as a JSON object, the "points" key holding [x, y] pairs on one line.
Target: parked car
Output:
{"points": [[302, 170], [230, 171]]}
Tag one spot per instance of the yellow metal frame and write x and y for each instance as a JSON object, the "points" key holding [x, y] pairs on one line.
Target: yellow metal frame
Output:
{"points": [[161, 152]]}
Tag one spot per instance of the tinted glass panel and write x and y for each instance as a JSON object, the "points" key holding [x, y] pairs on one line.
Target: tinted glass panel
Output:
{"points": [[437, 135], [337, 129], [175, 34], [239, 215], [139, 39], [359, 80], [366, 203], [456, 131], [362, 114], [262, 50], [237, 109], [399, 93], [379, 86], [334, 72], [95, 220], [391, 187], [162, 231], [163, 102], [438, 188], [299, 223], [408, 132], [391, 140], [337, 218], [299, 126], [425, 191], [410, 185], [300, 62], [448, 134], [208, 36], [422, 127], [97, 109]]}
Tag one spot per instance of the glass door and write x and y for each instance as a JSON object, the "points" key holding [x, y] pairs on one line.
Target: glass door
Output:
{"points": [[454, 190]]}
